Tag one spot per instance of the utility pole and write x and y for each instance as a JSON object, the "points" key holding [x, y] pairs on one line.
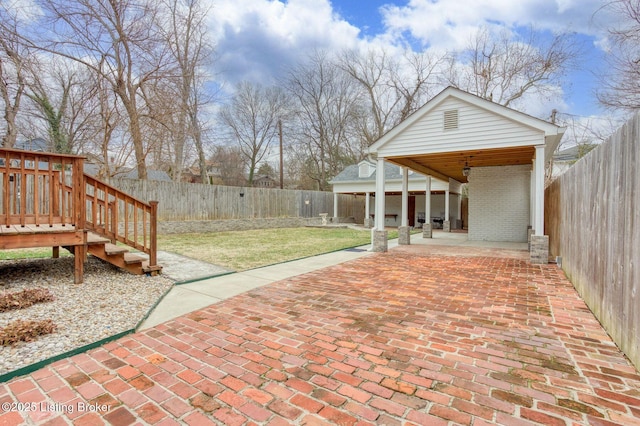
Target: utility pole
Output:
{"points": [[281, 159]]}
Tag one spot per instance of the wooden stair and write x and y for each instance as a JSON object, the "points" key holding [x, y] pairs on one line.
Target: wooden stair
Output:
{"points": [[46, 200], [119, 256]]}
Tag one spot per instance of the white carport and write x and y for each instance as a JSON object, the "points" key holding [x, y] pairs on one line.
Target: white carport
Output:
{"points": [[500, 152]]}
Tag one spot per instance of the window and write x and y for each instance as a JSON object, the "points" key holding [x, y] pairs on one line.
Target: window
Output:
{"points": [[451, 119]]}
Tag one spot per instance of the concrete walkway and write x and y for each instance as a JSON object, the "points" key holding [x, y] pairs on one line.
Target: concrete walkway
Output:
{"points": [[191, 296], [409, 337]]}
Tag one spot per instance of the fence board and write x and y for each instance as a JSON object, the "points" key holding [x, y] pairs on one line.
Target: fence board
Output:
{"points": [[593, 222], [188, 201]]}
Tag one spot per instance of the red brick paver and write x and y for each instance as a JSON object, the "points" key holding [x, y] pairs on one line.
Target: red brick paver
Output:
{"points": [[394, 338]]}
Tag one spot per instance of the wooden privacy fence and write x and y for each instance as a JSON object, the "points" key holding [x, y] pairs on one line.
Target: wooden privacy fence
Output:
{"points": [[190, 201], [592, 218]]}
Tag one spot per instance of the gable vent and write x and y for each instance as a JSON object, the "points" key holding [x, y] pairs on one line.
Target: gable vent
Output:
{"points": [[451, 119]]}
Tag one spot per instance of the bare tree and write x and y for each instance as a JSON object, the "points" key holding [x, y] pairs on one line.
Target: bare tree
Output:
{"points": [[228, 165], [620, 89], [109, 145], [392, 87], [63, 102], [121, 42], [252, 120], [503, 69], [187, 39], [328, 105], [416, 80], [14, 57]]}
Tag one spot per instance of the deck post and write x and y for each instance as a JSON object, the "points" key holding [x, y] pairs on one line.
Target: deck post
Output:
{"points": [[79, 253], [153, 234]]}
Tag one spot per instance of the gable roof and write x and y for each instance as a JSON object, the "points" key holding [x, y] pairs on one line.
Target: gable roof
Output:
{"points": [[456, 129], [550, 130]]}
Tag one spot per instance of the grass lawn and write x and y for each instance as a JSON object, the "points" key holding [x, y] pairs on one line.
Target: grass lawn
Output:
{"points": [[33, 253], [241, 250]]}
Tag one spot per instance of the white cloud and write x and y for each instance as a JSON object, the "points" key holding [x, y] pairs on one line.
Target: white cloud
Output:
{"points": [[449, 24], [257, 39]]}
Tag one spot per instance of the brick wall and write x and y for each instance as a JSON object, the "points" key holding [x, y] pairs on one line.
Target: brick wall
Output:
{"points": [[499, 199]]}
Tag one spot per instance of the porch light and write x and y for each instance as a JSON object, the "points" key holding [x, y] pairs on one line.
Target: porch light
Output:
{"points": [[466, 170]]}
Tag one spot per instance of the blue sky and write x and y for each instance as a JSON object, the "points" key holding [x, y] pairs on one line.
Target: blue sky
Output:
{"points": [[256, 39]]}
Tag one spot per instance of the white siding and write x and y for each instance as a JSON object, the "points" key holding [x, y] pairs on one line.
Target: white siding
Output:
{"points": [[478, 129], [499, 203]]}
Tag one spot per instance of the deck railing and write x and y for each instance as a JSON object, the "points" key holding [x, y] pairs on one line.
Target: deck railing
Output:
{"points": [[46, 189], [121, 217], [40, 189]]}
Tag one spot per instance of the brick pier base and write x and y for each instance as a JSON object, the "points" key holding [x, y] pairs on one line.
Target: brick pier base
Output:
{"points": [[379, 241], [539, 252], [426, 230], [446, 226], [404, 236]]}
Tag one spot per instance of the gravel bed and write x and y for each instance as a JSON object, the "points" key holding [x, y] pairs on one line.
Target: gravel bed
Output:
{"points": [[109, 302]]}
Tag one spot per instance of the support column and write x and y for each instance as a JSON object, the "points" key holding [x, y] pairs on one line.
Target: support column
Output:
{"points": [[532, 203], [367, 211], [426, 228], [403, 230], [459, 216], [539, 251], [335, 208], [532, 196], [378, 234], [446, 224]]}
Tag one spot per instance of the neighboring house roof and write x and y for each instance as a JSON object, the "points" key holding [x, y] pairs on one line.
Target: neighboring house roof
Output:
{"points": [[35, 144], [573, 153], [563, 160], [159, 175], [352, 173], [264, 180]]}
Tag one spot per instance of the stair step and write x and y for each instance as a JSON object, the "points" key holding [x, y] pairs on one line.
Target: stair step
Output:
{"points": [[131, 258], [112, 249], [96, 239]]}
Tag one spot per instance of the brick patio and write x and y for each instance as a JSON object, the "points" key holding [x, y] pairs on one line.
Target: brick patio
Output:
{"points": [[403, 337]]}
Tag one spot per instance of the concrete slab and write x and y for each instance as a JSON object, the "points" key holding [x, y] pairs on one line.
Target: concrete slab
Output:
{"points": [[177, 302], [182, 268]]}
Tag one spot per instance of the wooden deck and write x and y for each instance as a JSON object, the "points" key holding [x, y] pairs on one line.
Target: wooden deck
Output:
{"points": [[46, 200]]}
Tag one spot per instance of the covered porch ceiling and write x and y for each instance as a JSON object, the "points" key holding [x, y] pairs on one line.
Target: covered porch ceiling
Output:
{"points": [[447, 165]]}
